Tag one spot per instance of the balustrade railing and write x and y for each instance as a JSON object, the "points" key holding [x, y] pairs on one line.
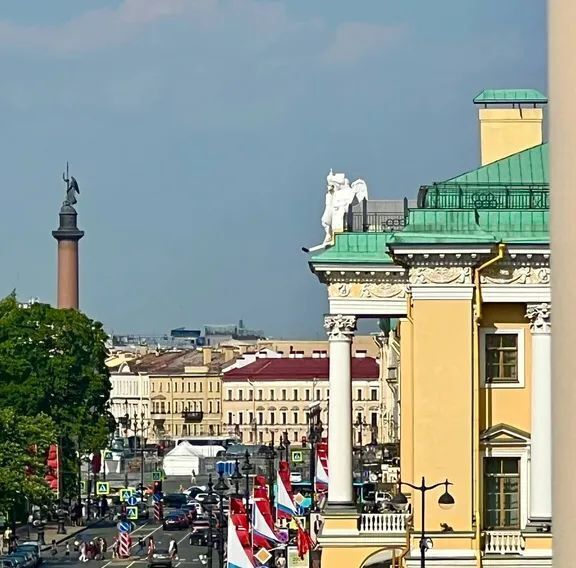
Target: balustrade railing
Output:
{"points": [[394, 523], [503, 542]]}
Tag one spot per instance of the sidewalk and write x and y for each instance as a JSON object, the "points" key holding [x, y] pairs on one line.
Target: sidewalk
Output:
{"points": [[51, 532]]}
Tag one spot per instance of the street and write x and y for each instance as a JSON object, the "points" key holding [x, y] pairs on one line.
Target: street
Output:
{"points": [[187, 555]]}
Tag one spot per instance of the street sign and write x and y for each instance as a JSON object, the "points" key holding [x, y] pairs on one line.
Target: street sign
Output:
{"points": [[262, 556], [298, 498], [125, 494], [124, 526], [294, 560], [132, 500], [102, 488], [156, 476], [156, 497], [108, 456], [297, 456], [132, 513]]}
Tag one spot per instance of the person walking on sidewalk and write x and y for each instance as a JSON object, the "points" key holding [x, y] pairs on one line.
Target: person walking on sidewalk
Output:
{"points": [[173, 549], [151, 548]]}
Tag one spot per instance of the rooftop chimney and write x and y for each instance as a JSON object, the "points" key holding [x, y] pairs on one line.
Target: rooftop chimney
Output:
{"points": [[510, 121], [207, 355]]}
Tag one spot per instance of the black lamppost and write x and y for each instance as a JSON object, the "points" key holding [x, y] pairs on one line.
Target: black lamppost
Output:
{"points": [[315, 430], [446, 501], [271, 460], [140, 447], [247, 467], [221, 489], [208, 504], [236, 477], [284, 446]]}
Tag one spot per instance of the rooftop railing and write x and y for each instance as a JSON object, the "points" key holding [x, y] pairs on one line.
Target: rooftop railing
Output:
{"points": [[480, 196]]}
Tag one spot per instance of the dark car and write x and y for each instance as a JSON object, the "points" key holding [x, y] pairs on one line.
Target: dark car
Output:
{"points": [[25, 558], [175, 521], [160, 557], [9, 562], [30, 549], [174, 500]]}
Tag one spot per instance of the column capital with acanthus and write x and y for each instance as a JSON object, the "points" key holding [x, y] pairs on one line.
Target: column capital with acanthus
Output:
{"points": [[539, 316], [339, 326]]}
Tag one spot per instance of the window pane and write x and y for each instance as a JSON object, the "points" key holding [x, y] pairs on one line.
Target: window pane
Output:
{"points": [[510, 465]]}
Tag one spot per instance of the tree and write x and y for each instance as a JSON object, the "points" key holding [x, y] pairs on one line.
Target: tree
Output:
{"points": [[52, 362], [24, 442]]}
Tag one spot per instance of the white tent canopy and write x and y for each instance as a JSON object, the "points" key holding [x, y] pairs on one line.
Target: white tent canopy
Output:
{"points": [[181, 460]]}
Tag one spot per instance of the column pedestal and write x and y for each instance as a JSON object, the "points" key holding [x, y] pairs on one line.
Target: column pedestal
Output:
{"points": [[540, 513], [340, 487]]}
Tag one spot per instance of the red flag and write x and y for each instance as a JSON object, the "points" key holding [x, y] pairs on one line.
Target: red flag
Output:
{"points": [[303, 542], [260, 481], [237, 507]]}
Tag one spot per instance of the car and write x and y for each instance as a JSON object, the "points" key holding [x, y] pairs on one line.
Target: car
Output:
{"points": [[193, 506], [201, 497], [160, 557], [33, 546], [193, 491], [32, 550], [295, 477], [9, 562], [27, 560], [174, 500], [175, 521]]}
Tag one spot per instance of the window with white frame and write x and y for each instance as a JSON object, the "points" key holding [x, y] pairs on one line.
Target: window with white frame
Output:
{"points": [[502, 357], [502, 492]]}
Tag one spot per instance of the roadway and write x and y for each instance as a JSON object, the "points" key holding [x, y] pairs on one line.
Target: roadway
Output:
{"points": [[188, 556]]}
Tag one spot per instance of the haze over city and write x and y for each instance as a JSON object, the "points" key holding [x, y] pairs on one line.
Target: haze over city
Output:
{"points": [[201, 134]]}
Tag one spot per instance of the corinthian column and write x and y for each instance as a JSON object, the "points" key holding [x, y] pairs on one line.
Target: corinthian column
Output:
{"points": [[541, 437], [340, 332]]}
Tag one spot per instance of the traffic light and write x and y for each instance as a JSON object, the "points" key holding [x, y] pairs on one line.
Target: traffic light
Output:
{"points": [[157, 487]]}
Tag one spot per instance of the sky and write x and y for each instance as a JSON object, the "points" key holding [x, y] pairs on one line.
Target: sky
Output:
{"points": [[201, 133]]}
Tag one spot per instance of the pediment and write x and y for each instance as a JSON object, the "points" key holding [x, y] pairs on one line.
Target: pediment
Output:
{"points": [[158, 397], [504, 435]]}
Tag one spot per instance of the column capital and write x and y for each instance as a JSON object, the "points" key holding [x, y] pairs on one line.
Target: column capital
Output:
{"points": [[539, 316], [339, 326]]}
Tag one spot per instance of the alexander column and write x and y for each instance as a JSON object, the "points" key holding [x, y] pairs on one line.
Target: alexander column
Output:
{"points": [[68, 236]]}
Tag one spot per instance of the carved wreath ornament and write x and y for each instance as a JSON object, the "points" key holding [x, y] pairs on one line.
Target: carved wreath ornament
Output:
{"points": [[441, 275]]}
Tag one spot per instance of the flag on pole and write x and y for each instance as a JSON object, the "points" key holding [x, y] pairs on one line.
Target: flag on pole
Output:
{"points": [[284, 502], [321, 473], [260, 526], [237, 556], [303, 542]]}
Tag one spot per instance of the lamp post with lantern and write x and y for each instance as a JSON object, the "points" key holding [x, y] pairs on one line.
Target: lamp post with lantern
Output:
{"points": [[445, 501]]}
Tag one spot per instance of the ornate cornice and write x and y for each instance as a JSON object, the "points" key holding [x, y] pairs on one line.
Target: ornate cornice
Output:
{"points": [[539, 316], [339, 326], [358, 290]]}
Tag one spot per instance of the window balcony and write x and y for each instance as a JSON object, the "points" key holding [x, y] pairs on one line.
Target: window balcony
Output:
{"points": [[193, 416], [384, 523], [504, 542]]}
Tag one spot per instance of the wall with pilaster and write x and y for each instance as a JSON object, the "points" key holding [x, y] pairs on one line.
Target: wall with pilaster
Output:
{"points": [[442, 407]]}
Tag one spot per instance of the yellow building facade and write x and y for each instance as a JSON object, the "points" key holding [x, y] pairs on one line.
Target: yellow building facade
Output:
{"points": [[468, 281]]}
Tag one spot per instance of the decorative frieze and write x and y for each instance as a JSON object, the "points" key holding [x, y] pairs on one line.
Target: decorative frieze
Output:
{"points": [[339, 326], [539, 316], [441, 275], [515, 275], [367, 290]]}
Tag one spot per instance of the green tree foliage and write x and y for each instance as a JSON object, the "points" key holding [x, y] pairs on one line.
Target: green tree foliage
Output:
{"points": [[52, 362], [24, 442]]}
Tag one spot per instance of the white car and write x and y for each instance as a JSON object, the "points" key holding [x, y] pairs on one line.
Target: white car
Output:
{"points": [[295, 477]]}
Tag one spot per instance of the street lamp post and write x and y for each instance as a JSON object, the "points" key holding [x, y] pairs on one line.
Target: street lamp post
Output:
{"points": [[446, 501], [208, 504], [247, 467], [140, 447], [236, 477], [221, 488], [271, 459], [314, 437]]}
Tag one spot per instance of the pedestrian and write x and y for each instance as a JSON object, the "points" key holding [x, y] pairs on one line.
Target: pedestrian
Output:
{"points": [[193, 478], [67, 550], [141, 545], [103, 547], [83, 557], [151, 548], [173, 549], [53, 548], [115, 545], [281, 561]]}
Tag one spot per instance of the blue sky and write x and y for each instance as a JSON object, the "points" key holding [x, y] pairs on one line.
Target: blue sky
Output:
{"points": [[201, 133]]}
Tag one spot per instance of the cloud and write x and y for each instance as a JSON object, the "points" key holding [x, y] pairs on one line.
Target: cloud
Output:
{"points": [[259, 23], [353, 41]]}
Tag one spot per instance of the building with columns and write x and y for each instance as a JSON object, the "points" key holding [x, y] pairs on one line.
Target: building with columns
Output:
{"points": [[468, 281]]}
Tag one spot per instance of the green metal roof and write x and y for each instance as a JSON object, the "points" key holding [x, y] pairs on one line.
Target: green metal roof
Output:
{"points": [[529, 167], [511, 96], [370, 248]]}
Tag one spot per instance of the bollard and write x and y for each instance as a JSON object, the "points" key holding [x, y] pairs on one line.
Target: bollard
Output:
{"points": [[61, 514]]}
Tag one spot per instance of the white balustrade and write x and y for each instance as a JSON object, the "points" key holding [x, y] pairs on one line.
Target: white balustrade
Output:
{"points": [[503, 542], [384, 522]]}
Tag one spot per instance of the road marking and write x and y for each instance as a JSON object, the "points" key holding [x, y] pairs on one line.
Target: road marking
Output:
{"points": [[178, 564], [104, 565], [183, 538], [147, 536]]}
